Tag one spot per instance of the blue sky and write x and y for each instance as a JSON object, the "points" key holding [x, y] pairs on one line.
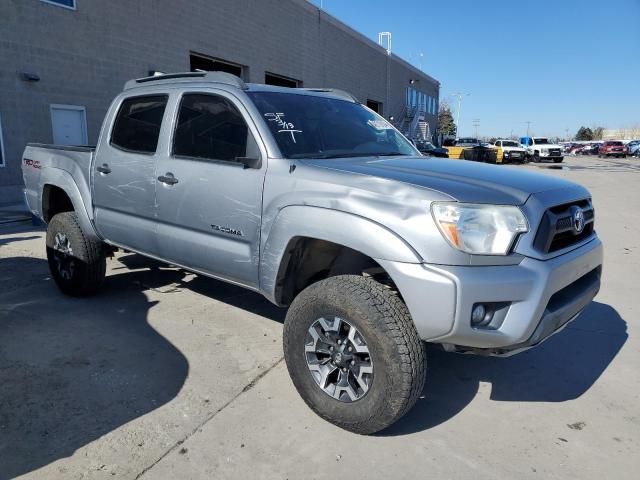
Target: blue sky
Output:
{"points": [[559, 64]]}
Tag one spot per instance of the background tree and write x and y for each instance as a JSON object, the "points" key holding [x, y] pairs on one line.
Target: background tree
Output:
{"points": [[446, 125], [597, 132], [584, 133]]}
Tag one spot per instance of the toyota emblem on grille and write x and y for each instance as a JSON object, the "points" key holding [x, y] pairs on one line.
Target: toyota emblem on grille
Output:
{"points": [[577, 216]]}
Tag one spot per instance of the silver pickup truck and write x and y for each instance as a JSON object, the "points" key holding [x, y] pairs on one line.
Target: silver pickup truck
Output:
{"points": [[319, 204]]}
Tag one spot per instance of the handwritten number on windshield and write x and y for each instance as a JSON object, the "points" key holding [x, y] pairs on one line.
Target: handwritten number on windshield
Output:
{"points": [[284, 126]]}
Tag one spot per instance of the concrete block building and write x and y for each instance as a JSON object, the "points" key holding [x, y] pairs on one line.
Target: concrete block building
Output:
{"points": [[63, 61]]}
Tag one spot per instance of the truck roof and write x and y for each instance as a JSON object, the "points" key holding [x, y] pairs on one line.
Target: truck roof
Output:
{"points": [[223, 78]]}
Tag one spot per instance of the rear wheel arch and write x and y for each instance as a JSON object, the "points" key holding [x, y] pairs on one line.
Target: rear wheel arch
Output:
{"points": [[55, 200], [61, 194]]}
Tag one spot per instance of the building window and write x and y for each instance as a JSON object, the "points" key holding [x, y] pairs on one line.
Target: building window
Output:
{"points": [[202, 63], [375, 106], [1, 146], [281, 81], [70, 4], [211, 127], [137, 126]]}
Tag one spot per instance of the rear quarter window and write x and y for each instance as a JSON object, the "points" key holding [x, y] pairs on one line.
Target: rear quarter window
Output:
{"points": [[137, 125]]}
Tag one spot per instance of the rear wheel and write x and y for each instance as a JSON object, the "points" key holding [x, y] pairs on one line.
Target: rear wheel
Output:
{"points": [[77, 262], [353, 353]]}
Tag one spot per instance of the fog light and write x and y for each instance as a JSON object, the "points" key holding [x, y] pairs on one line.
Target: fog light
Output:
{"points": [[478, 314]]}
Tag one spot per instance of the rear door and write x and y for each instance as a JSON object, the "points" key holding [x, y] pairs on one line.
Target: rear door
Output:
{"points": [[124, 179], [209, 204]]}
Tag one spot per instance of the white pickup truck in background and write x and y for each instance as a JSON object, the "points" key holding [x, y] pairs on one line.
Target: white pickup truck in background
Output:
{"points": [[540, 148]]}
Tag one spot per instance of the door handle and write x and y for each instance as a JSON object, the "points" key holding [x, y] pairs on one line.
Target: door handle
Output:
{"points": [[104, 169], [168, 179]]}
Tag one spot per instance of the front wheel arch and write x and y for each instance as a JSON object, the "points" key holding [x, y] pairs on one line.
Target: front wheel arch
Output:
{"points": [[329, 227]]}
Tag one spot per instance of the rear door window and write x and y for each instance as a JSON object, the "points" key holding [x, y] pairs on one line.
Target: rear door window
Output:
{"points": [[137, 125]]}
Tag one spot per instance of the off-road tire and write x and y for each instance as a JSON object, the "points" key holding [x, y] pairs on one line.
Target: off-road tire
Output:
{"points": [[398, 354], [88, 257]]}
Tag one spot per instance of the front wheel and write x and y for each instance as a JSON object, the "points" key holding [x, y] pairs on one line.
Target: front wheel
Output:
{"points": [[536, 158], [77, 262], [558, 160], [353, 353]]}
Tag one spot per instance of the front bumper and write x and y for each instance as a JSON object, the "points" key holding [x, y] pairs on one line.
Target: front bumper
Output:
{"points": [[541, 297]]}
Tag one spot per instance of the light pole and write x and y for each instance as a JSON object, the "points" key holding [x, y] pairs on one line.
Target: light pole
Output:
{"points": [[528, 122], [459, 96], [476, 124]]}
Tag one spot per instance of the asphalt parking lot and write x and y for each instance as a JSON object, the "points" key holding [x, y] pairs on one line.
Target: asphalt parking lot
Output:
{"points": [[167, 375]]}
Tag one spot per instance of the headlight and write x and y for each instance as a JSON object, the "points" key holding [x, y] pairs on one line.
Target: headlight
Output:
{"points": [[479, 229]]}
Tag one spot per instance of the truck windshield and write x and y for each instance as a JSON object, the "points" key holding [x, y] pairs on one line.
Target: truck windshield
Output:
{"points": [[309, 126], [541, 141], [509, 144]]}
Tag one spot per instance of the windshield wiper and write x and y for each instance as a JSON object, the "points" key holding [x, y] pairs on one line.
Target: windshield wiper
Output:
{"points": [[391, 154], [324, 156], [320, 156]]}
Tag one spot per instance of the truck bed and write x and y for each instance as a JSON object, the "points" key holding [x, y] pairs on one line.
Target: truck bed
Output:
{"points": [[70, 148], [59, 165]]}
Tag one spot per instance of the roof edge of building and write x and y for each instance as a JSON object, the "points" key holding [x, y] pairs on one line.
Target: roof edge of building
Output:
{"points": [[309, 5]]}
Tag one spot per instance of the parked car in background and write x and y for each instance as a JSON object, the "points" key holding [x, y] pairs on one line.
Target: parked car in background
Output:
{"points": [[469, 148], [590, 149], [468, 142], [511, 151], [428, 148], [575, 149], [613, 148], [633, 148], [540, 148]]}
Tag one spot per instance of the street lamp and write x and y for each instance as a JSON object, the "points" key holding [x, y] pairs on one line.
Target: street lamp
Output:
{"points": [[459, 96]]}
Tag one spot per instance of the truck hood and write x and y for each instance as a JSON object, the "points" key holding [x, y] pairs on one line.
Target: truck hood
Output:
{"points": [[462, 180]]}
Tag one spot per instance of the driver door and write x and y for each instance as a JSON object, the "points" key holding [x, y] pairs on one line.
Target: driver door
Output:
{"points": [[209, 203]]}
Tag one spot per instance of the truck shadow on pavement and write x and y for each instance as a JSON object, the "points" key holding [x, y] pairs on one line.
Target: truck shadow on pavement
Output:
{"points": [[232, 295], [561, 369], [73, 370]]}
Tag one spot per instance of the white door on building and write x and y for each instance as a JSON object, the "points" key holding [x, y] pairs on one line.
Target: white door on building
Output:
{"points": [[69, 125]]}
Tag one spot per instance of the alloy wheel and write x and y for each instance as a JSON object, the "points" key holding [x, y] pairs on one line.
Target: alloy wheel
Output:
{"points": [[338, 358]]}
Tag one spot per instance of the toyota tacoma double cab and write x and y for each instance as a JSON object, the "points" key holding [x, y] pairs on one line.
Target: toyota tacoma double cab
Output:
{"points": [[540, 148], [316, 202]]}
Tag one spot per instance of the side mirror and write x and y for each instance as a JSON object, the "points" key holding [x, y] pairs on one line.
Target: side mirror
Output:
{"points": [[250, 162], [253, 158]]}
